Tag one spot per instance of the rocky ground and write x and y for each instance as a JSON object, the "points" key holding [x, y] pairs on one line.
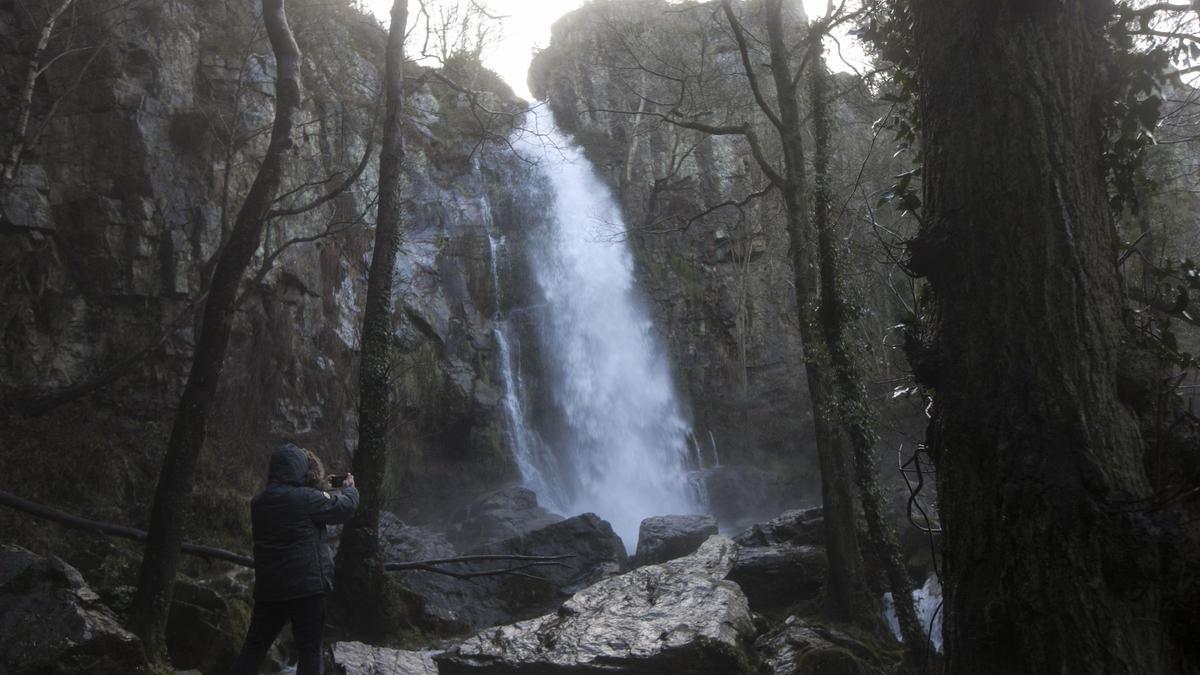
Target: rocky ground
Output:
{"points": [[689, 601]]}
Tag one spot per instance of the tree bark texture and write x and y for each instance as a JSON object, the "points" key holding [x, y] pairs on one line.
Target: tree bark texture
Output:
{"points": [[172, 496], [1048, 567], [850, 405], [360, 579]]}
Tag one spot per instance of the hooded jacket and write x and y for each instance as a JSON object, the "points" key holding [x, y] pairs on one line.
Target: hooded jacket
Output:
{"points": [[291, 559]]}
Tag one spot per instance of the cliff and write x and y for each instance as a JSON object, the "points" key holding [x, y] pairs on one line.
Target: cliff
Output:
{"points": [[712, 252], [152, 130]]}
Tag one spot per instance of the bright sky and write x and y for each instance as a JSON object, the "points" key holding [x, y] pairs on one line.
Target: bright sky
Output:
{"points": [[526, 27]]}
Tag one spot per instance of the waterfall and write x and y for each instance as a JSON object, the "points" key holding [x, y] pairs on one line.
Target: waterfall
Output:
{"points": [[622, 451], [528, 450]]}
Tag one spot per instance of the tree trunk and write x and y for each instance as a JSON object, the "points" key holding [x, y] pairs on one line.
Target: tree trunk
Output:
{"points": [[847, 596], [852, 409], [18, 139], [1048, 568], [360, 581], [172, 496]]}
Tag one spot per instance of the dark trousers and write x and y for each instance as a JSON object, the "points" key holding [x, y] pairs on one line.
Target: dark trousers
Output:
{"points": [[308, 622]]}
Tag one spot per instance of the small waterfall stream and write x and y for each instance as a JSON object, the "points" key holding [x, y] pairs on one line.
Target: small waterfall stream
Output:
{"points": [[622, 452], [528, 450]]}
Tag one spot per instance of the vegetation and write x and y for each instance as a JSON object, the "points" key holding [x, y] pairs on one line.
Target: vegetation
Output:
{"points": [[1032, 248]]}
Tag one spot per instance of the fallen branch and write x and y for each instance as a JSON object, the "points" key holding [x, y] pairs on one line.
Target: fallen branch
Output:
{"points": [[427, 566], [528, 561], [33, 508]]}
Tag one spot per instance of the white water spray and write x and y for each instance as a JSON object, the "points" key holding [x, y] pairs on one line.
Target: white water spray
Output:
{"points": [[624, 454], [928, 603]]}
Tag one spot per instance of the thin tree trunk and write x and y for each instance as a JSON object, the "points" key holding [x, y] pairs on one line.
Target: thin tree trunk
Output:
{"points": [[1048, 567], [847, 596], [19, 137], [172, 496], [360, 580], [852, 409]]}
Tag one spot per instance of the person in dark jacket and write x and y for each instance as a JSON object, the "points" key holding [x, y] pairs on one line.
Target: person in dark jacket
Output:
{"points": [[293, 568]]}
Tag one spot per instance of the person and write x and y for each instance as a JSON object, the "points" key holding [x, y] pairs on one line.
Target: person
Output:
{"points": [[293, 568]]}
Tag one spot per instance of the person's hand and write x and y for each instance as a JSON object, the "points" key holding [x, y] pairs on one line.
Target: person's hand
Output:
{"points": [[349, 482]]}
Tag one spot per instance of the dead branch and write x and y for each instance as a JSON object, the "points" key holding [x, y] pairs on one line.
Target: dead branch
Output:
{"points": [[24, 505], [211, 552]]}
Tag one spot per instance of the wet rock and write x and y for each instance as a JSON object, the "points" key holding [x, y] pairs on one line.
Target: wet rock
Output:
{"points": [[782, 561], [52, 622], [402, 542], [800, 646], [498, 515], [803, 527], [596, 551], [356, 658], [663, 538], [677, 617], [774, 577]]}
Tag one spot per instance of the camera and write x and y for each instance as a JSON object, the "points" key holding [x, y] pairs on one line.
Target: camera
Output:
{"points": [[338, 480]]}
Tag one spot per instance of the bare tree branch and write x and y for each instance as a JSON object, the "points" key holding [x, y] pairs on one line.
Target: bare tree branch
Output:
{"points": [[33, 508]]}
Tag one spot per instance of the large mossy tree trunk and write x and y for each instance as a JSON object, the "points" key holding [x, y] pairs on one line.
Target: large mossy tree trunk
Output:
{"points": [[173, 493], [1048, 567], [363, 595]]}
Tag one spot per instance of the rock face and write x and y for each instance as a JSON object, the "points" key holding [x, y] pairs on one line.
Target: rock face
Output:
{"points": [[356, 658], [677, 617], [663, 538], [487, 601], [117, 214], [52, 622]]}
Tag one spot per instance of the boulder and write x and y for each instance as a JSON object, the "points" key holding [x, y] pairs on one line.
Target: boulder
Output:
{"points": [[782, 561], [800, 526], [775, 577], [488, 601], [800, 647], [208, 622], [52, 622], [596, 551], [356, 658], [677, 617], [663, 538], [498, 515], [402, 542]]}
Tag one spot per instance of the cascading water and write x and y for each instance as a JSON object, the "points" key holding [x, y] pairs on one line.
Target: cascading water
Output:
{"points": [[528, 449], [623, 452]]}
